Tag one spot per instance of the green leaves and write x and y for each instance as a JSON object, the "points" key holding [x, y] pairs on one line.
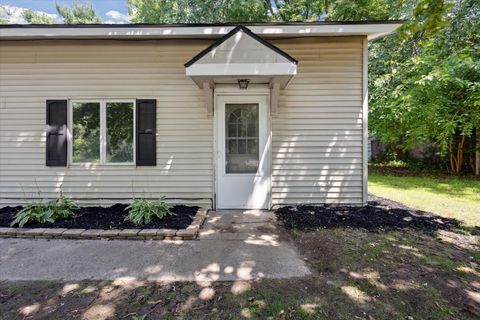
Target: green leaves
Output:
{"points": [[432, 93], [142, 211], [78, 13], [36, 17], [56, 209], [196, 11], [32, 212]]}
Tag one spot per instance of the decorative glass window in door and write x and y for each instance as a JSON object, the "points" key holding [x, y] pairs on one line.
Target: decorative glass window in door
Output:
{"points": [[241, 138]]}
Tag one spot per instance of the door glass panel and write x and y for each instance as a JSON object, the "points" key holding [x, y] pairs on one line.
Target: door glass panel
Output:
{"points": [[241, 138]]}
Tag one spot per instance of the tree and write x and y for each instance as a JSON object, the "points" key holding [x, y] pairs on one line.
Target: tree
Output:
{"points": [[79, 14], [216, 11], [347, 10], [425, 82], [197, 11], [300, 10], [36, 17]]}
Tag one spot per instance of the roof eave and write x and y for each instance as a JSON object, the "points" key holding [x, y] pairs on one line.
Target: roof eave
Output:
{"points": [[371, 30]]}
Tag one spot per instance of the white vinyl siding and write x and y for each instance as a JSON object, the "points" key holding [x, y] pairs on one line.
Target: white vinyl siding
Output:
{"points": [[317, 134], [33, 71]]}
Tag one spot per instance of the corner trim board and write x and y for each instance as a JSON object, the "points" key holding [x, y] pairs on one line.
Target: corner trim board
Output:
{"points": [[365, 120]]}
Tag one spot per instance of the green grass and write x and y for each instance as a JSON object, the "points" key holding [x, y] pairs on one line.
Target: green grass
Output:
{"points": [[452, 197], [14, 289]]}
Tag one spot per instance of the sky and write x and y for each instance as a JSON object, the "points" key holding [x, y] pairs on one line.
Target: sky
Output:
{"points": [[111, 11]]}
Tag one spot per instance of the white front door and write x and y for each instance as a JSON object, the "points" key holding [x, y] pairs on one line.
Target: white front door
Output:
{"points": [[242, 152]]}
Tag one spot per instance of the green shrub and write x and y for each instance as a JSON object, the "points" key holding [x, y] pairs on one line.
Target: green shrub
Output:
{"points": [[32, 212], [142, 211], [62, 208], [56, 209]]}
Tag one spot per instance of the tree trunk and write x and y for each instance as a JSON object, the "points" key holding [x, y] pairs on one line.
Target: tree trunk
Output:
{"points": [[456, 156], [477, 152], [452, 159]]}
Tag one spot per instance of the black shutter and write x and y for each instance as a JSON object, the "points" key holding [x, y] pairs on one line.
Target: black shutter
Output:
{"points": [[146, 132], [56, 147]]}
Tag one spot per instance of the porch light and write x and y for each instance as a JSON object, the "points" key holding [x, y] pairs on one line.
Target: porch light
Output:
{"points": [[243, 83]]}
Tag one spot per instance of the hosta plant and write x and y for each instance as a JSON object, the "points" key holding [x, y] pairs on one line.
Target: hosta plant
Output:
{"points": [[33, 212], [143, 211], [62, 208], [56, 209]]}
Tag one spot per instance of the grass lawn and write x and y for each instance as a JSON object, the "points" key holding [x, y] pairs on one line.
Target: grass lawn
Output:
{"points": [[356, 275], [452, 197]]}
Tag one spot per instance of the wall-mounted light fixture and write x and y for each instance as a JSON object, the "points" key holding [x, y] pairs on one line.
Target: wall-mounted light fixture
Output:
{"points": [[243, 83]]}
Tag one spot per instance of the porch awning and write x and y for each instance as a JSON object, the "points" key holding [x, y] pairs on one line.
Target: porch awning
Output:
{"points": [[241, 54]]}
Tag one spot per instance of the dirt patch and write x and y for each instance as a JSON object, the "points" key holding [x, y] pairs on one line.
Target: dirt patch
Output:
{"points": [[107, 218], [379, 215], [404, 273]]}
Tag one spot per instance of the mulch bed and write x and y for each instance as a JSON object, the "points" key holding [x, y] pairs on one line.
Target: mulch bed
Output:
{"points": [[379, 214], [107, 218]]}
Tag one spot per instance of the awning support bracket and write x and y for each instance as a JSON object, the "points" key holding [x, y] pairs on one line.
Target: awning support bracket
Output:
{"points": [[208, 92]]}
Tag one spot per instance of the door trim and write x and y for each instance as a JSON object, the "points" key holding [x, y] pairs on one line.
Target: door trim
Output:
{"points": [[234, 91]]}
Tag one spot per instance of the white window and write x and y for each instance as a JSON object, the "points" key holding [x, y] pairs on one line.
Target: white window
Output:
{"points": [[102, 131]]}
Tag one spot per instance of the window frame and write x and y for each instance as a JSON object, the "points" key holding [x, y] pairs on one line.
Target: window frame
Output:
{"points": [[103, 132]]}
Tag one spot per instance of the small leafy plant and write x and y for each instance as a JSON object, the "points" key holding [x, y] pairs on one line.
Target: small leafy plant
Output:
{"points": [[142, 211], [32, 212], [62, 207], [56, 209]]}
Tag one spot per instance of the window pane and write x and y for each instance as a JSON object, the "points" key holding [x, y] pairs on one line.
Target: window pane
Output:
{"points": [[86, 132], [252, 130], [232, 130], [119, 132], [241, 138], [242, 147]]}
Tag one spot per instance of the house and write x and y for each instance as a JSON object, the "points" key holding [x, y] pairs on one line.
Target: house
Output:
{"points": [[222, 116]]}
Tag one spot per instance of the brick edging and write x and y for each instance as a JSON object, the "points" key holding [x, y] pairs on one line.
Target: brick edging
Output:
{"points": [[190, 233]]}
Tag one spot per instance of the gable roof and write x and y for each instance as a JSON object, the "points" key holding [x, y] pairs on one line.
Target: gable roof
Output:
{"points": [[241, 54], [229, 35]]}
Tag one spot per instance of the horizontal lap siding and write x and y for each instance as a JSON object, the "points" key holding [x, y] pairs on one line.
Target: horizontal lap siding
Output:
{"points": [[32, 72], [317, 134]]}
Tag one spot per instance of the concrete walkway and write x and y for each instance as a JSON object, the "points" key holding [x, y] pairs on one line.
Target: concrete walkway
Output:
{"points": [[233, 246]]}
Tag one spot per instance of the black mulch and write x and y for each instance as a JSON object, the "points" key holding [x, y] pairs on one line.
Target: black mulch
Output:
{"points": [[380, 214], [107, 218]]}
